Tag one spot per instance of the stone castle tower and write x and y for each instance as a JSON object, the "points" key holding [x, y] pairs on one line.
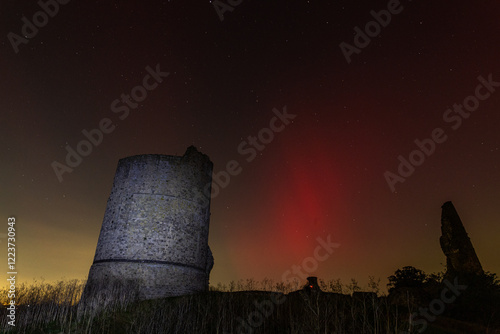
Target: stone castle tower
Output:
{"points": [[155, 228]]}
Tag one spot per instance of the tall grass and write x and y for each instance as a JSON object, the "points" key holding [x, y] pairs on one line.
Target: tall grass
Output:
{"points": [[40, 304], [231, 308]]}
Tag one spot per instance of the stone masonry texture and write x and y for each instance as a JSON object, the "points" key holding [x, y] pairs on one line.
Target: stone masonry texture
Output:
{"points": [[461, 258], [155, 228]]}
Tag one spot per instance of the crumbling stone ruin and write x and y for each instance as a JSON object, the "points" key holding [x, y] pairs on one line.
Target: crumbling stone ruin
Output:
{"points": [[155, 228], [312, 284], [461, 258]]}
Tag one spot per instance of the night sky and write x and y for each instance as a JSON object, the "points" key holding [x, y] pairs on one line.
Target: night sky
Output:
{"points": [[352, 108]]}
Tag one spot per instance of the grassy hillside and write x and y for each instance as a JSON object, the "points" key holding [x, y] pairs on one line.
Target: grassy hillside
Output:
{"points": [[54, 308]]}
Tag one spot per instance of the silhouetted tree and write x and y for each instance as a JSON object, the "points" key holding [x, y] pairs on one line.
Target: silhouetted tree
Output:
{"points": [[407, 277], [480, 301]]}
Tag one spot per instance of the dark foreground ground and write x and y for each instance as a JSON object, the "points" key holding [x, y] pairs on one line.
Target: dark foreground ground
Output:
{"points": [[304, 311]]}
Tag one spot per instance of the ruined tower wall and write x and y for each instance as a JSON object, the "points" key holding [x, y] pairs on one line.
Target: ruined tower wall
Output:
{"points": [[461, 258], [155, 228]]}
